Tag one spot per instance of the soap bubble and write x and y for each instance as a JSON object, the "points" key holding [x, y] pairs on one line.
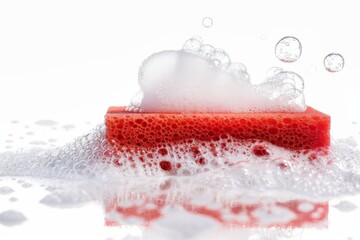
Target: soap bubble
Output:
{"points": [[288, 49], [273, 71], [221, 59], [334, 62], [237, 67], [239, 71], [206, 50], [192, 45], [207, 22], [288, 77], [284, 86]]}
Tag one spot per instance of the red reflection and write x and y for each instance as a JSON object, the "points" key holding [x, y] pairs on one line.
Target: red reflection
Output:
{"points": [[143, 209]]}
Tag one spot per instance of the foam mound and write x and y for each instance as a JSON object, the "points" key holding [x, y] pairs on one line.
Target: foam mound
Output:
{"points": [[201, 78], [255, 165]]}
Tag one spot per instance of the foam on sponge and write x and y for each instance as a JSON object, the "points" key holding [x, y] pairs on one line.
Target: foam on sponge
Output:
{"points": [[200, 78]]}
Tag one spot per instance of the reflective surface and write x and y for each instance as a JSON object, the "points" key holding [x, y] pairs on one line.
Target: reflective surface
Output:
{"points": [[61, 67]]}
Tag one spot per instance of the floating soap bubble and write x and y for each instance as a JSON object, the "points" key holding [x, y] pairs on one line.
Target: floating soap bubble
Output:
{"points": [[288, 49], [334, 62], [207, 22]]}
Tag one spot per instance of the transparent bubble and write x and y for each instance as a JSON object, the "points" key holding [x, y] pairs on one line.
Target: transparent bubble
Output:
{"points": [[216, 62], [206, 50], [135, 102], [284, 86], [334, 62], [192, 45], [221, 59], [239, 71], [237, 67], [273, 71], [288, 49], [207, 22], [288, 77]]}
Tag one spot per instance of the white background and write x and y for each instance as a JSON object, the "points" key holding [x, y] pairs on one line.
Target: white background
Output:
{"points": [[73, 59]]}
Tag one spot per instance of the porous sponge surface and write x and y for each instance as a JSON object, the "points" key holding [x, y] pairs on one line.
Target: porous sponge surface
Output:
{"points": [[291, 130]]}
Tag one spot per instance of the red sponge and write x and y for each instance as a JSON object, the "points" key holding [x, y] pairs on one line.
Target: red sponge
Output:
{"points": [[292, 130]]}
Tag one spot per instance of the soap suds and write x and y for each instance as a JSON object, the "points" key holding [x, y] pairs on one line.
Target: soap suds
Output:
{"points": [[201, 78], [327, 173]]}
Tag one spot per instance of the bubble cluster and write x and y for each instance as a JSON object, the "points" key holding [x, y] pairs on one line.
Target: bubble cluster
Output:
{"points": [[217, 56], [334, 62], [81, 158], [207, 22], [284, 86], [225, 163], [202, 78], [288, 49]]}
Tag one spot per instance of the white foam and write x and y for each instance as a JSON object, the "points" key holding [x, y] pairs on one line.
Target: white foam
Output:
{"points": [[232, 168], [201, 78]]}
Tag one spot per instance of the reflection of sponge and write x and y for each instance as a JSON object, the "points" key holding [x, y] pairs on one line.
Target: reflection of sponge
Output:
{"points": [[291, 130]]}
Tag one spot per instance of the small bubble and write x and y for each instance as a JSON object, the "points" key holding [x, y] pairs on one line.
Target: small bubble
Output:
{"points": [[192, 45], [206, 50], [263, 37], [239, 71], [273, 71], [216, 62], [221, 59], [288, 49], [207, 22], [237, 67], [334, 62]]}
